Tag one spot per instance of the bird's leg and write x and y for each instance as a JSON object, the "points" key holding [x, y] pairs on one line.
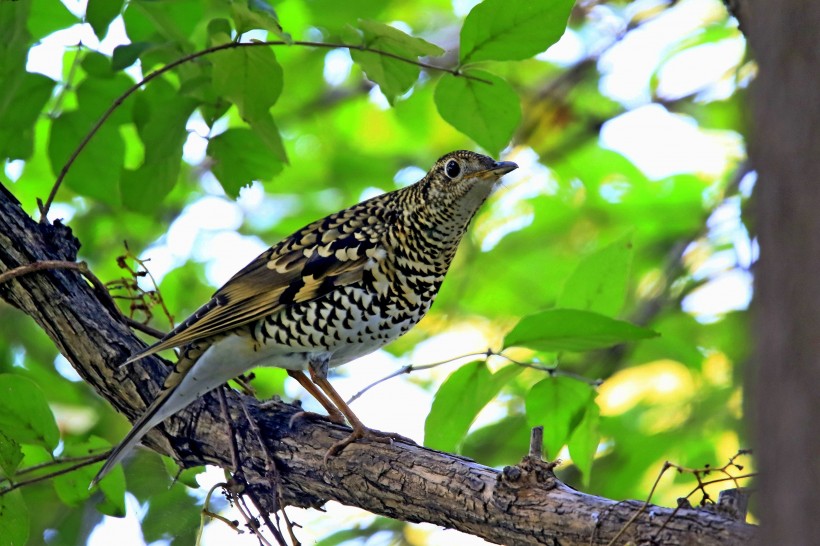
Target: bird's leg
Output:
{"points": [[333, 413], [319, 377]]}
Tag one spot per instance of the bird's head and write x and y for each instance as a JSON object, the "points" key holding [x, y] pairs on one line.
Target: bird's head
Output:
{"points": [[461, 181]]}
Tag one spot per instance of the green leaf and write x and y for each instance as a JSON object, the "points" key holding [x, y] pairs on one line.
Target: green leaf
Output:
{"points": [[72, 487], [161, 115], [458, 401], [185, 476], [10, 454], [100, 13], [335, 15], [126, 55], [487, 111], [253, 14], [144, 188], [510, 30], [601, 280], [240, 157], [583, 442], [24, 413], [250, 77], [482, 443], [47, 17], [96, 94], [95, 173], [22, 98], [14, 519], [172, 511], [572, 330], [558, 404], [96, 65], [393, 76], [265, 128]]}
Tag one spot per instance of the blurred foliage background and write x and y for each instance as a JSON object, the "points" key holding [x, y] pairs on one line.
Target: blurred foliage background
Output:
{"points": [[629, 202]]}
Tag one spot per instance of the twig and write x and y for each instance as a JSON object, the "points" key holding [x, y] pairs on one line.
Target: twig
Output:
{"points": [[140, 298], [268, 523], [82, 267], [206, 512], [552, 370], [72, 71], [150, 330], [253, 524], [223, 405], [91, 459], [276, 484], [41, 266], [44, 208], [666, 466], [537, 443], [698, 473], [412, 368]]}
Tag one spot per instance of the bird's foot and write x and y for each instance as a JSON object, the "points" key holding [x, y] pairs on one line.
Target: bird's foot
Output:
{"points": [[333, 417], [368, 434]]}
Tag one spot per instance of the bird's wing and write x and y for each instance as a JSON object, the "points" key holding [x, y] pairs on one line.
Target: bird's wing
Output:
{"points": [[311, 263]]}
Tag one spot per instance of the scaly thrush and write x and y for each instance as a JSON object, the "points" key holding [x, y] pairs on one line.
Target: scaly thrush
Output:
{"points": [[335, 290]]}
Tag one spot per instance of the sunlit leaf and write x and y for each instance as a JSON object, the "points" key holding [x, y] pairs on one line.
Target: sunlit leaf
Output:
{"points": [[394, 76], [265, 128], [126, 55], [24, 413], [47, 17], [248, 15], [100, 13], [334, 15], [96, 94], [22, 97], [72, 487], [176, 22], [10, 454], [558, 404], [161, 115], [458, 401], [185, 476], [558, 330], [95, 172], [14, 519], [172, 511], [601, 280], [250, 77], [487, 111], [240, 157], [509, 30], [583, 442]]}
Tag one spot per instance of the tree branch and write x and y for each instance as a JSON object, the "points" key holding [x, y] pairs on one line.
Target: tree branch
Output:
{"points": [[524, 504]]}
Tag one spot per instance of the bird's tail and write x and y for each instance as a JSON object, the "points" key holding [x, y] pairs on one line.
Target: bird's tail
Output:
{"points": [[157, 412]]}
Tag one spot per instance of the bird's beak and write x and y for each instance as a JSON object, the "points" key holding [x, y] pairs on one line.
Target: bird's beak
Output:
{"points": [[503, 167]]}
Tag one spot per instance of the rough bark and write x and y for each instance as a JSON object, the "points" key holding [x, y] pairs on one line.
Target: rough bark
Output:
{"points": [[525, 504], [785, 40]]}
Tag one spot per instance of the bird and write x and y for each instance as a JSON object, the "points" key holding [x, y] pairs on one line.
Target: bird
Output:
{"points": [[333, 291]]}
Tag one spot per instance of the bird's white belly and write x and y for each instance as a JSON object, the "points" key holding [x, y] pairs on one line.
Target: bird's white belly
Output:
{"points": [[322, 330]]}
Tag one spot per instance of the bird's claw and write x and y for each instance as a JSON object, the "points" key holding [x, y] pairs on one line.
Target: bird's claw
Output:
{"points": [[368, 434], [337, 418]]}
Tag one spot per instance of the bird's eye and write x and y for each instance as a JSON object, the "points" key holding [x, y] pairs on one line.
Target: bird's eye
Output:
{"points": [[452, 169]]}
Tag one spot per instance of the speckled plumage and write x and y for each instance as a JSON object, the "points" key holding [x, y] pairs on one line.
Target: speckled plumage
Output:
{"points": [[337, 289]]}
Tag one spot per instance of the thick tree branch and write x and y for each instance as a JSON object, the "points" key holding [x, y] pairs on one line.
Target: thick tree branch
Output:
{"points": [[524, 504]]}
